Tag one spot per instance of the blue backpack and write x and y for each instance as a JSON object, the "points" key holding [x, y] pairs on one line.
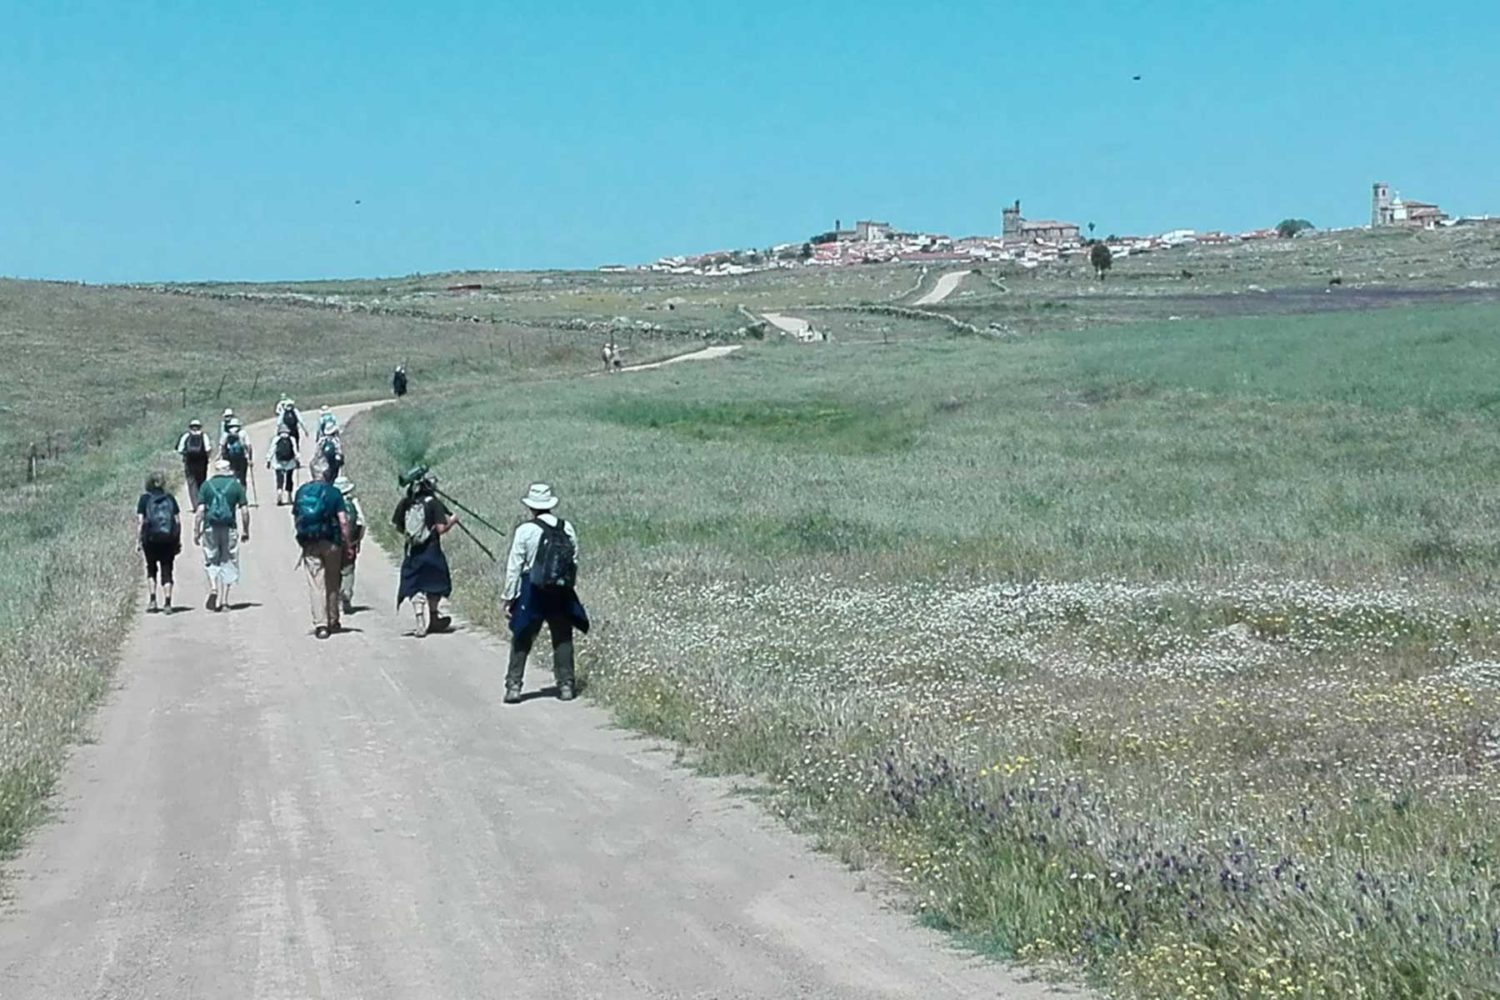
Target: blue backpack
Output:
{"points": [[234, 448], [315, 511]]}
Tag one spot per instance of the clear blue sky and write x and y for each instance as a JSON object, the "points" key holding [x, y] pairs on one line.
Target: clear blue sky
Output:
{"points": [[231, 139]]}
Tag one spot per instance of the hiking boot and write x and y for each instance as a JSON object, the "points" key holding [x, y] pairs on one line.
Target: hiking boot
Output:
{"points": [[151, 608], [213, 602], [512, 696], [321, 632], [565, 692], [347, 605], [440, 623]]}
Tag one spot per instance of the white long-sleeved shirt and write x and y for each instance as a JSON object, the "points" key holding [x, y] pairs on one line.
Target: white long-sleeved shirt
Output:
{"points": [[523, 548]]}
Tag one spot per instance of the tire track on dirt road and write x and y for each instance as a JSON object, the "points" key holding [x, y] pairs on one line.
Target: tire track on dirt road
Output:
{"points": [[266, 815]]}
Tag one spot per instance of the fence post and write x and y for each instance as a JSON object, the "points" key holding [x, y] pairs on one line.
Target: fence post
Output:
{"points": [[184, 397], [220, 390], [31, 458]]}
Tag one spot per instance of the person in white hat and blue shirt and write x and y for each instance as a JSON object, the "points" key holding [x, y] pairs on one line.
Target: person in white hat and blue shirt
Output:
{"points": [[541, 575]]}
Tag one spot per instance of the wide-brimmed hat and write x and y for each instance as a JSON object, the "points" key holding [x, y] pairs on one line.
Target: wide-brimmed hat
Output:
{"points": [[195, 422], [236, 424], [540, 497], [344, 485], [229, 413], [223, 468]]}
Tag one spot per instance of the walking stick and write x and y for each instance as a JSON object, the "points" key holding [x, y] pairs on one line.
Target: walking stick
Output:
{"points": [[482, 547], [472, 513], [254, 491]]}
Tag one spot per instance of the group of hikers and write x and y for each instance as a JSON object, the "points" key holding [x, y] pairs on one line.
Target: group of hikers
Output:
{"points": [[329, 525]]}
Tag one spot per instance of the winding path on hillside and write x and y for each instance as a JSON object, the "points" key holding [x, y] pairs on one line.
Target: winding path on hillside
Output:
{"points": [[264, 815], [946, 286], [795, 326]]}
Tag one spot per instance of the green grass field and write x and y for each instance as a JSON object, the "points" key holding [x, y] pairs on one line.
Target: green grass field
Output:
{"points": [[1163, 650], [1166, 653]]}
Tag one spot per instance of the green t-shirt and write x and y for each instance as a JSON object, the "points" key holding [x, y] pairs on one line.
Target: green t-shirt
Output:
{"points": [[220, 497]]}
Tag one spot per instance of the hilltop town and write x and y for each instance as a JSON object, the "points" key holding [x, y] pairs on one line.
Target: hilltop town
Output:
{"points": [[1026, 242]]}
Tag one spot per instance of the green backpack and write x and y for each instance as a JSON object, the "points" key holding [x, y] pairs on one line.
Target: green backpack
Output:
{"points": [[214, 495], [315, 511]]}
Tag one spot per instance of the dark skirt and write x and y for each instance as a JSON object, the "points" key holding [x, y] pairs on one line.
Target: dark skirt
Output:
{"points": [[425, 571], [535, 606]]}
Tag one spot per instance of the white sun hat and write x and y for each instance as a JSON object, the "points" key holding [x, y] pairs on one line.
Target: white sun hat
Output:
{"points": [[540, 497]]}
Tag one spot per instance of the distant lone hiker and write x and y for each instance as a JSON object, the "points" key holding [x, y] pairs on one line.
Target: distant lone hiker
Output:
{"points": [[354, 536], [158, 536], [398, 381], [423, 518], [285, 460], [611, 356], [540, 576], [196, 448], [222, 521], [322, 524]]}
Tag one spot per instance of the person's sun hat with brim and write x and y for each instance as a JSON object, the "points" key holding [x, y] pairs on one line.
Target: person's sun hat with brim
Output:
{"points": [[540, 497], [223, 468], [344, 485], [195, 422]]}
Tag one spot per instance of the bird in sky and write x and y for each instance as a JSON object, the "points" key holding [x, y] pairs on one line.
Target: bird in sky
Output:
{"points": [[1136, 77]]}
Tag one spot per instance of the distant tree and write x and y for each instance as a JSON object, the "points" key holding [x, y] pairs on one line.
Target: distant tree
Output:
{"points": [[1287, 228], [1101, 258], [807, 251], [1091, 230]]}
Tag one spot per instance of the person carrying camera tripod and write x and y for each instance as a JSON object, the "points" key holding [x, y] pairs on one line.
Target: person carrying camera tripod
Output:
{"points": [[424, 519]]}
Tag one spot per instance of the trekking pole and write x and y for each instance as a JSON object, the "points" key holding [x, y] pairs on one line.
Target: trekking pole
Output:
{"points": [[475, 538], [254, 491], [472, 513]]}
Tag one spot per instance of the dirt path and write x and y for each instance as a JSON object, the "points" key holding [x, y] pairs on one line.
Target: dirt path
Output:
{"points": [[946, 286], [792, 325], [706, 354], [263, 815]]}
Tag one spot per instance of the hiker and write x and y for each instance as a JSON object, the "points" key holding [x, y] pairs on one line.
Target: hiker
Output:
{"points": [[158, 536], [423, 518], [196, 448], [285, 459], [398, 381], [321, 520], [235, 449], [288, 417], [327, 423], [540, 576], [221, 502], [225, 421], [329, 457], [612, 360], [355, 536]]}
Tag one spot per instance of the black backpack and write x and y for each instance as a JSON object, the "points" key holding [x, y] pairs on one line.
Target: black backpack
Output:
{"points": [[290, 420], [556, 563], [285, 450], [196, 446], [160, 514]]}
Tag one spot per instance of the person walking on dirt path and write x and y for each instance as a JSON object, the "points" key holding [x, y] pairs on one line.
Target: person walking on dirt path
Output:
{"points": [[423, 519], [158, 536], [285, 460], [541, 575], [355, 536], [220, 524], [225, 421], [321, 520], [398, 381], [235, 449], [288, 417], [196, 449], [328, 459]]}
